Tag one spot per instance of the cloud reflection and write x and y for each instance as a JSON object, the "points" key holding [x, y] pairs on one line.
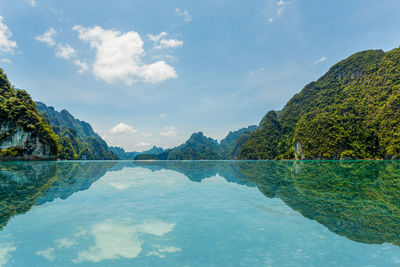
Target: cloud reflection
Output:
{"points": [[5, 252], [115, 240]]}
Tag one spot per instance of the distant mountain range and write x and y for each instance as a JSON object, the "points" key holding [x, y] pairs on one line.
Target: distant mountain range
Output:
{"points": [[200, 147], [122, 154]]}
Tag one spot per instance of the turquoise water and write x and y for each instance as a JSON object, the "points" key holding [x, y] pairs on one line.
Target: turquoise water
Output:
{"points": [[207, 213]]}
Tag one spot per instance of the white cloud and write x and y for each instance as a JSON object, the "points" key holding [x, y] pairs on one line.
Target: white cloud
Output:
{"points": [[82, 232], [32, 2], [65, 243], [171, 58], [109, 139], [122, 128], [47, 37], [146, 134], [6, 44], [114, 240], [155, 253], [83, 66], [183, 13], [161, 42], [169, 249], [6, 60], [163, 115], [65, 51], [157, 72], [118, 56], [169, 43], [170, 131], [156, 38], [280, 8], [161, 250], [143, 144], [320, 60], [5, 252], [47, 254], [138, 177]]}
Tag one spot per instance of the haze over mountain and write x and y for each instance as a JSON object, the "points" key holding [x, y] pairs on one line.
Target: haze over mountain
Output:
{"points": [[122, 154]]}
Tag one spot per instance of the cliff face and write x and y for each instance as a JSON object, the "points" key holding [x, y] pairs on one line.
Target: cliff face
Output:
{"points": [[30, 146], [24, 135]]}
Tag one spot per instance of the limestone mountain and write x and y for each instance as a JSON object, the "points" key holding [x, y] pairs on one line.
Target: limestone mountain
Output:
{"points": [[197, 147], [77, 139], [232, 143], [200, 147], [24, 134], [353, 111]]}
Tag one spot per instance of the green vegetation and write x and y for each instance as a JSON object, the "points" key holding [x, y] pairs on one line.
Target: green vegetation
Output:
{"points": [[350, 112], [233, 142], [18, 115], [77, 140], [200, 147], [355, 199], [24, 185]]}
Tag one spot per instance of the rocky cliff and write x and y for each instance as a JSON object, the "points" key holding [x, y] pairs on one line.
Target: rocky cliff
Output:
{"points": [[24, 135]]}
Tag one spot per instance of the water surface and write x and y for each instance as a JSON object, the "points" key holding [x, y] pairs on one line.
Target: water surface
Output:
{"points": [[204, 213]]}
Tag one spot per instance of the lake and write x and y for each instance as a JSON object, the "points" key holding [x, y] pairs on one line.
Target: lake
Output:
{"points": [[200, 213]]}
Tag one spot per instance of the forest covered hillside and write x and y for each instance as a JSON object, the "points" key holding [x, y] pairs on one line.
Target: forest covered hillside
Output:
{"points": [[77, 139], [24, 134], [200, 147], [351, 112]]}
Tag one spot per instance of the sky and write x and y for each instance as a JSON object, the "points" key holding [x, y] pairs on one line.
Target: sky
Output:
{"points": [[152, 72]]}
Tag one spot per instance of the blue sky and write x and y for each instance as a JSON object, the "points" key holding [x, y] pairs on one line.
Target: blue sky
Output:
{"points": [[146, 72]]}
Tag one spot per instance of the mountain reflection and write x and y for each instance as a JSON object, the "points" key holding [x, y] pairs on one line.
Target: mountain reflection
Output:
{"points": [[359, 200], [355, 199], [25, 184]]}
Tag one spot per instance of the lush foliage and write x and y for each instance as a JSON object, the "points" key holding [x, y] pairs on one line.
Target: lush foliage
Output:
{"points": [[196, 148], [355, 199], [350, 112], [200, 147], [77, 140], [232, 143], [39, 183], [18, 111]]}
